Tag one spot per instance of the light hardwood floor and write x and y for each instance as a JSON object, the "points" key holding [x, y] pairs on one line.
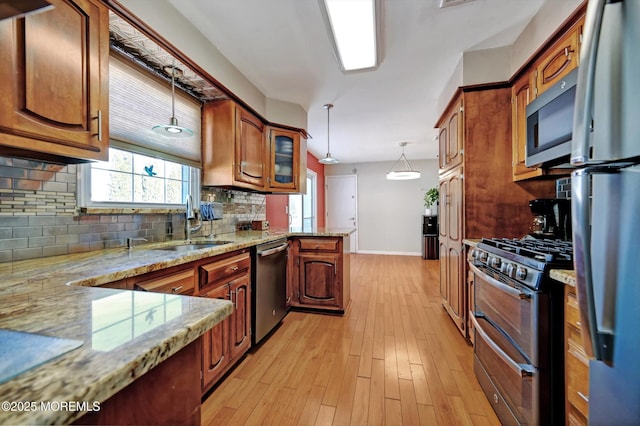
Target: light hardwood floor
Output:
{"points": [[394, 358]]}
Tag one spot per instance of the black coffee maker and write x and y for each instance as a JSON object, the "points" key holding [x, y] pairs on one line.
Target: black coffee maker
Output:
{"points": [[552, 218]]}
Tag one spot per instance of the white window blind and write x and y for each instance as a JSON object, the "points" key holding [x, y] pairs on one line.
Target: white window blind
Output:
{"points": [[137, 102]]}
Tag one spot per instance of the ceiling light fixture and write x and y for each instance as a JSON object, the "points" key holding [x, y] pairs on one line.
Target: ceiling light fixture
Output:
{"points": [[404, 173], [173, 130], [354, 28], [328, 159]]}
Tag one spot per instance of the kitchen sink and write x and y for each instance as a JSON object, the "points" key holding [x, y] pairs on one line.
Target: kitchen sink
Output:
{"points": [[194, 246]]}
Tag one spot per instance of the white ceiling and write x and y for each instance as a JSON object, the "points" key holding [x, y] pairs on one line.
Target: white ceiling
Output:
{"points": [[282, 47]]}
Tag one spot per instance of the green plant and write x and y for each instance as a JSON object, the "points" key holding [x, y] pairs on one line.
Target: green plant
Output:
{"points": [[431, 197]]}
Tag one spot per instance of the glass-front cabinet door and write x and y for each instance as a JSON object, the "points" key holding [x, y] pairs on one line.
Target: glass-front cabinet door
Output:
{"points": [[285, 155]]}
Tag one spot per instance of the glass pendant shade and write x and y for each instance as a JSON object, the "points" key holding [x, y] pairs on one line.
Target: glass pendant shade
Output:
{"points": [[329, 159]]}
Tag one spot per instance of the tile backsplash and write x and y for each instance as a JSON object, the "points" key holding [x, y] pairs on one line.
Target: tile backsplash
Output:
{"points": [[563, 188], [39, 215]]}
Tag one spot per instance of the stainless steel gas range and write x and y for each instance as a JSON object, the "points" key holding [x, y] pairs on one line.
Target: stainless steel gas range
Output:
{"points": [[518, 321]]}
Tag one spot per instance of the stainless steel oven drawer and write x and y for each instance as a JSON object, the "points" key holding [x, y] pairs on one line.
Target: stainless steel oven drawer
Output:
{"points": [[512, 308], [513, 380], [499, 405]]}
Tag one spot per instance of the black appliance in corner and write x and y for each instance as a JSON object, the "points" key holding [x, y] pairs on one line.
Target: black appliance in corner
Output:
{"points": [[430, 246], [552, 218]]}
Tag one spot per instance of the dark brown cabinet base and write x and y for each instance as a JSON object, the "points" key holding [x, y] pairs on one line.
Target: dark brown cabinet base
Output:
{"points": [[168, 394]]}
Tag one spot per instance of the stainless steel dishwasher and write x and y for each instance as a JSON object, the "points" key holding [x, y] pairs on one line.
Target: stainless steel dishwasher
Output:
{"points": [[269, 293]]}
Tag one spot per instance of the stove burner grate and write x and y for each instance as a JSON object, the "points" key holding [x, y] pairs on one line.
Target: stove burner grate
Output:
{"points": [[543, 250]]}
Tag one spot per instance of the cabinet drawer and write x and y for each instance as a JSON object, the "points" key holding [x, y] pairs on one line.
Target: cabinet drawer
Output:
{"points": [[574, 338], [573, 311], [578, 380], [182, 282], [319, 244], [222, 269]]}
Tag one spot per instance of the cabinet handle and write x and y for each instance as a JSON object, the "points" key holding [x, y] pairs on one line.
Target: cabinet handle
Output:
{"points": [[100, 125], [176, 289], [235, 302], [234, 268], [581, 395], [317, 246]]}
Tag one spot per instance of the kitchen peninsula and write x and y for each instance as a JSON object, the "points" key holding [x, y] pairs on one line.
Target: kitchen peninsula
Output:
{"points": [[60, 297]]}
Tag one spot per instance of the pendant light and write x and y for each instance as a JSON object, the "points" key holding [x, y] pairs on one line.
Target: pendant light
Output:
{"points": [[404, 171], [173, 130], [328, 159]]}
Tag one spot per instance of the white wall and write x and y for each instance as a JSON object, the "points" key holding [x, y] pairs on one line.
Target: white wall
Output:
{"points": [[282, 112], [389, 212]]}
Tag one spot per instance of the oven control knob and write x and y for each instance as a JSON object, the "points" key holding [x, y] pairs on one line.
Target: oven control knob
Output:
{"points": [[495, 262], [511, 270], [521, 273], [483, 256]]}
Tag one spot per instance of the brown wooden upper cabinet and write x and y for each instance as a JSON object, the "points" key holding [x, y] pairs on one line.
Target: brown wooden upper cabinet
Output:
{"points": [[554, 63], [287, 164], [239, 151], [54, 83], [450, 139], [233, 151], [560, 59], [521, 95]]}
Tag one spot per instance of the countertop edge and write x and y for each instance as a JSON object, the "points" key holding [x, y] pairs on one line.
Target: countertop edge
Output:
{"points": [[565, 276]]}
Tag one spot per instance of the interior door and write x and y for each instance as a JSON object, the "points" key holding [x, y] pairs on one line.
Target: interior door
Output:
{"points": [[342, 205]]}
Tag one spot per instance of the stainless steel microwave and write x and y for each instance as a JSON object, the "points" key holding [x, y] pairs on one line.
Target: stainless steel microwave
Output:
{"points": [[550, 123]]}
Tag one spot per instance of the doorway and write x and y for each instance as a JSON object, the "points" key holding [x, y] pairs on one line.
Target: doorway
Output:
{"points": [[342, 204]]}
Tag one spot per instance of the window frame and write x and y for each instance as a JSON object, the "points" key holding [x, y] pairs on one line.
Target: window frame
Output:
{"points": [[312, 188], [86, 203]]}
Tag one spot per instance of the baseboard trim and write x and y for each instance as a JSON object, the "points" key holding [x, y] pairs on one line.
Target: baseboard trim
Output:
{"points": [[393, 253]]}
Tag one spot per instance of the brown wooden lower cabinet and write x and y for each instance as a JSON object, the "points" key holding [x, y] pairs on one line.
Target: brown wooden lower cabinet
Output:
{"points": [[228, 277], [215, 345], [320, 278], [167, 394], [576, 364]]}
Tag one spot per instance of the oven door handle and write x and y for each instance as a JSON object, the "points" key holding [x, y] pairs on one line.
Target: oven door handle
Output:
{"points": [[523, 370], [503, 287]]}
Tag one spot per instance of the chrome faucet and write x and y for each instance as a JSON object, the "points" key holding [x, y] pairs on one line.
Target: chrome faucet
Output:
{"points": [[190, 214], [131, 240]]}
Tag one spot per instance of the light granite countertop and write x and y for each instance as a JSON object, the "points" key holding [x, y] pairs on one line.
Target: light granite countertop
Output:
{"points": [[471, 242], [565, 276], [124, 333]]}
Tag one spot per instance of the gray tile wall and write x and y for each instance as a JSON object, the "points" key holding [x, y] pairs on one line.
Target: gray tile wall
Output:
{"points": [[39, 216]]}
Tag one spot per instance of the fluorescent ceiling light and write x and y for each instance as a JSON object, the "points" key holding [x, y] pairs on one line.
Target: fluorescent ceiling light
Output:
{"points": [[354, 26]]}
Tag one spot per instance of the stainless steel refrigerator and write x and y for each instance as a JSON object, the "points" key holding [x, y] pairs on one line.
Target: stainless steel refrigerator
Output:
{"points": [[606, 207]]}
